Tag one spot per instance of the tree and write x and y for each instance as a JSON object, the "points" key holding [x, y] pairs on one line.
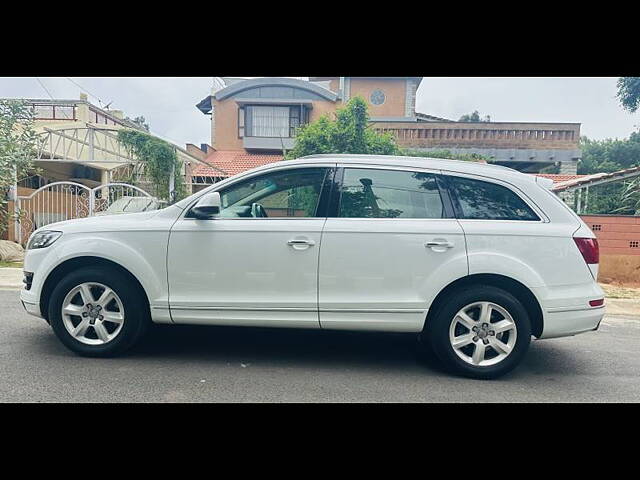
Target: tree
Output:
{"points": [[447, 154], [349, 132], [474, 117], [159, 160], [629, 93], [609, 155], [18, 145], [139, 121]]}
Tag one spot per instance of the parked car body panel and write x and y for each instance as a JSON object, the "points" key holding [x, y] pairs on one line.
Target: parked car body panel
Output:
{"points": [[370, 274]]}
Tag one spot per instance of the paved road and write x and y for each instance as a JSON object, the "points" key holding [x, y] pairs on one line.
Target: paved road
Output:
{"points": [[217, 364]]}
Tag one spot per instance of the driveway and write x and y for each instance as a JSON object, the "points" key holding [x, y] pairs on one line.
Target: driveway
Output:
{"points": [[220, 364]]}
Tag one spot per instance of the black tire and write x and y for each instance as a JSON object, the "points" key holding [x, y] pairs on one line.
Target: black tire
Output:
{"points": [[436, 331], [136, 310]]}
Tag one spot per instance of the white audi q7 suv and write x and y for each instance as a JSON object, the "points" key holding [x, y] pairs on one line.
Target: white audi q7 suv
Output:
{"points": [[476, 259]]}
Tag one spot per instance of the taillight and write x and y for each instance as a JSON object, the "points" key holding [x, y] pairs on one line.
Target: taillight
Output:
{"points": [[589, 249]]}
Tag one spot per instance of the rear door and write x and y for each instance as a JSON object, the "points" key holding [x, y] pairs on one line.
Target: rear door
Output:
{"points": [[389, 246]]}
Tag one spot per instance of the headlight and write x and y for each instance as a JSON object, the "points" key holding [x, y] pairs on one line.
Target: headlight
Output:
{"points": [[43, 239]]}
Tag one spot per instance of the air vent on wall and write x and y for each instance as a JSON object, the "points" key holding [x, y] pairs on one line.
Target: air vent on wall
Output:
{"points": [[596, 227], [634, 244]]}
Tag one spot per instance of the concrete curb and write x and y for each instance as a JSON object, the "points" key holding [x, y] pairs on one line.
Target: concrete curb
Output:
{"points": [[10, 278], [623, 306]]}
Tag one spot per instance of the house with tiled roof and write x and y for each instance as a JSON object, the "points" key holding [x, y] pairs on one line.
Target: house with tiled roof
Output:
{"points": [[254, 121]]}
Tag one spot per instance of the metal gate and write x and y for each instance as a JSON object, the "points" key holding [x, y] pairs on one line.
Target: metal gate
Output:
{"points": [[60, 201]]}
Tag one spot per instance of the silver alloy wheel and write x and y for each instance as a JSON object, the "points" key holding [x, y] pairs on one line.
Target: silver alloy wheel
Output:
{"points": [[483, 334], [93, 313]]}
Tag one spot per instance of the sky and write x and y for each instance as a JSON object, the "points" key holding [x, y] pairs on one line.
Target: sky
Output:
{"points": [[168, 103]]}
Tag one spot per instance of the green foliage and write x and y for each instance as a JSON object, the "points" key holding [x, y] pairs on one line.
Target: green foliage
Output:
{"points": [[629, 93], [474, 117], [139, 121], [349, 132], [609, 155], [467, 157], [159, 159], [629, 199], [18, 145]]}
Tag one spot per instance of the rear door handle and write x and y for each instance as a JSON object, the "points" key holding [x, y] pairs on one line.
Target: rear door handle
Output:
{"points": [[444, 244]]}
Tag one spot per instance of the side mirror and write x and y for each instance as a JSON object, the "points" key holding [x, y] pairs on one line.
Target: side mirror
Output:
{"points": [[207, 207]]}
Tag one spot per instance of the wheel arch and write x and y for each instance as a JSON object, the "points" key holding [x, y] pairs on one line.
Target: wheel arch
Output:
{"points": [[516, 288], [59, 272]]}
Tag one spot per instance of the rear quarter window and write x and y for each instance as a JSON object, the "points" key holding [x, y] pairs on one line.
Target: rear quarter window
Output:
{"points": [[480, 200]]}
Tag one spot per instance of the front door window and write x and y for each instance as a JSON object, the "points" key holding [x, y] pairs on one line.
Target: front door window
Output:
{"points": [[286, 193]]}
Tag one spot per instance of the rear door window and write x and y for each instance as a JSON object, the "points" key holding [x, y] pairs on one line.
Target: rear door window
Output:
{"points": [[377, 193], [479, 200]]}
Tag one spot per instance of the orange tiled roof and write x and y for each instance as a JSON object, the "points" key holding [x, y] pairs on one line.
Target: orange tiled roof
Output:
{"points": [[587, 179], [557, 177], [232, 162]]}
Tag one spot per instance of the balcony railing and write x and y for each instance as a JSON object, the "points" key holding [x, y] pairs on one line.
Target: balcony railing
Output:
{"points": [[562, 136]]}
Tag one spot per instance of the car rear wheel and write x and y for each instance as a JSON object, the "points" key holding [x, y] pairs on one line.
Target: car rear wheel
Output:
{"points": [[98, 311], [481, 332]]}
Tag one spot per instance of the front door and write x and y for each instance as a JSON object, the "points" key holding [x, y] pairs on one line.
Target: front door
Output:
{"points": [[256, 264], [390, 247]]}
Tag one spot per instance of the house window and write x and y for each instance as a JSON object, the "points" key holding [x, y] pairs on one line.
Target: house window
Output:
{"points": [[270, 121], [240, 122]]}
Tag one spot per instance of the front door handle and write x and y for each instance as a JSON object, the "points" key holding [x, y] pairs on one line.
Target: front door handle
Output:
{"points": [[301, 243]]}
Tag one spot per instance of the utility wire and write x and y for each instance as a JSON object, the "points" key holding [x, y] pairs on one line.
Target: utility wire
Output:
{"points": [[45, 88], [164, 137], [85, 90], [50, 96]]}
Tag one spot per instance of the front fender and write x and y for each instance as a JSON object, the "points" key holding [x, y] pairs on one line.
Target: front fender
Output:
{"points": [[144, 259]]}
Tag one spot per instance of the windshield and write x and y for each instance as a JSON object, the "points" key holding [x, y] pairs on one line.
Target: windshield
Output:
{"points": [[133, 204]]}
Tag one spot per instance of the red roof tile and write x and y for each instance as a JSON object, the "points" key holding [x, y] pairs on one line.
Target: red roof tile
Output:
{"points": [[587, 179], [232, 162], [557, 177]]}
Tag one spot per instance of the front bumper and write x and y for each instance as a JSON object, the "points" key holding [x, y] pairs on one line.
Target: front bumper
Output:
{"points": [[31, 303]]}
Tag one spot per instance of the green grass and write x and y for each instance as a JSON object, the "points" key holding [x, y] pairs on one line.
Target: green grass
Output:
{"points": [[11, 264]]}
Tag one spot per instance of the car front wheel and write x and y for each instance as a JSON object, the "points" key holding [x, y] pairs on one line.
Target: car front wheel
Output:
{"points": [[98, 311], [481, 332]]}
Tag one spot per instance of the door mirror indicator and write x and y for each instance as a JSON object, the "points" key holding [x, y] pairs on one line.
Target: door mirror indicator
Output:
{"points": [[207, 207]]}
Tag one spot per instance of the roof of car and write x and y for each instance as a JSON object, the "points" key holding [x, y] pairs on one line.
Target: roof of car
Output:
{"points": [[461, 166]]}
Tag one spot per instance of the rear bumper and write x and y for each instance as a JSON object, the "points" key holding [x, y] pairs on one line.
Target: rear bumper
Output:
{"points": [[571, 322]]}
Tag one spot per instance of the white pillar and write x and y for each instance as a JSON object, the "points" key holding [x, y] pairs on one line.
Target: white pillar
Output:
{"points": [[13, 196]]}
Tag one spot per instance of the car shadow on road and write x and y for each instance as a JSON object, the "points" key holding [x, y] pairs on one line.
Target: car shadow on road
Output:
{"points": [[324, 349], [276, 345]]}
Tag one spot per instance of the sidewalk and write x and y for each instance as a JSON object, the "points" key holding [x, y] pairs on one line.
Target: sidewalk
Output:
{"points": [[10, 278]]}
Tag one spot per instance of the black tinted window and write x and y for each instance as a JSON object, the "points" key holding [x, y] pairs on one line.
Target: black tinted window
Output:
{"points": [[484, 200], [373, 193]]}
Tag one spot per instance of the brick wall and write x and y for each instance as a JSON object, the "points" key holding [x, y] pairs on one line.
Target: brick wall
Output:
{"points": [[619, 235], [548, 136], [619, 240]]}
